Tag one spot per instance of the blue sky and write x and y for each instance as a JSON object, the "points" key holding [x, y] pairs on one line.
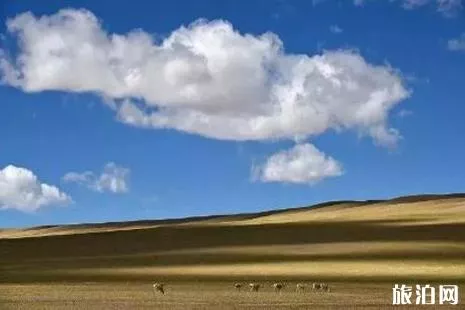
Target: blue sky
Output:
{"points": [[116, 110]]}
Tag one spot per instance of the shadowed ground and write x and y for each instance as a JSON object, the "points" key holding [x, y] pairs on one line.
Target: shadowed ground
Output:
{"points": [[404, 240]]}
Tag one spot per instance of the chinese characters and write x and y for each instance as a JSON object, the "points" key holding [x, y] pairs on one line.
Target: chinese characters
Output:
{"points": [[425, 294]]}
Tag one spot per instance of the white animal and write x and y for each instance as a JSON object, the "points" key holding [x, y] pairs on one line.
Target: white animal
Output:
{"points": [[254, 287], [325, 287], [278, 286], [300, 287]]}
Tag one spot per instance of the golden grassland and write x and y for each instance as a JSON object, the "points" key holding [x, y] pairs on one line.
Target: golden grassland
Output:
{"points": [[360, 248], [194, 295]]}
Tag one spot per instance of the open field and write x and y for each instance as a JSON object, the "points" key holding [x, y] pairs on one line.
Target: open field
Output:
{"points": [[360, 248], [192, 295]]}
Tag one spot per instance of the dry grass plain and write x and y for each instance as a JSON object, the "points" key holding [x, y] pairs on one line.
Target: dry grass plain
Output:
{"points": [[360, 248], [193, 295]]}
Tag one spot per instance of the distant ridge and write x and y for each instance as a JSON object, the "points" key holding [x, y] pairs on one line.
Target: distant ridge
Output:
{"points": [[418, 198], [252, 215]]}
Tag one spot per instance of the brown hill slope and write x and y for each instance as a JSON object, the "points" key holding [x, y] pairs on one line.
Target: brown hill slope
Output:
{"points": [[234, 218], [421, 237]]}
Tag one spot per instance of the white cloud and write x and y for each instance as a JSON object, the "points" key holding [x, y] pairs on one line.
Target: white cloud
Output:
{"points": [[303, 163], [412, 4], [457, 44], [404, 113], [449, 7], [112, 179], [20, 189], [446, 7], [206, 78], [335, 29]]}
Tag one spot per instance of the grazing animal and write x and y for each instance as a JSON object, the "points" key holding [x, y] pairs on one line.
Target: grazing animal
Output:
{"points": [[324, 287], [316, 286], [300, 287], [238, 286], [159, 287], [278, 286], [254, 287]]}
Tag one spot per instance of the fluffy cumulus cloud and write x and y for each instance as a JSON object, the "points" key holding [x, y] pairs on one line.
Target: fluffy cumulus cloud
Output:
{"points": [[112, 179], [457, 44], [205, 78], [20, 189], [303, 163]]}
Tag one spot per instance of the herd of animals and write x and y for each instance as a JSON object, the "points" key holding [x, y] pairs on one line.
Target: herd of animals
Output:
{"points": [[255, 287]]}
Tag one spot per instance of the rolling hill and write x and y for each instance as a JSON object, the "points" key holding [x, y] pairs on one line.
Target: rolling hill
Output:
{"points": [[413, 238]]}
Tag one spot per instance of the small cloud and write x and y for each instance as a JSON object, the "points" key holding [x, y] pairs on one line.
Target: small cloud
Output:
{"points": [[20, 189], [413, 4], [361, 3], [404, 113], [449, 8], [303, 164], [457, 44], [282, 8], [335, 29], [112, 179], [387, 137]]}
